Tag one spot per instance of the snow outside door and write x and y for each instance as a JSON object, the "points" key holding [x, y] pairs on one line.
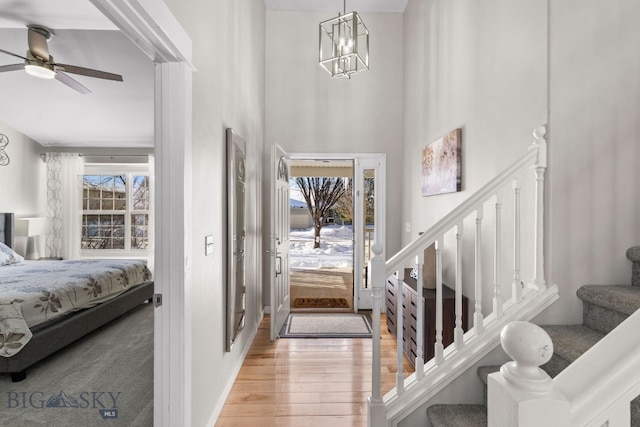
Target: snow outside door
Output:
{"points": [[280, 209]]}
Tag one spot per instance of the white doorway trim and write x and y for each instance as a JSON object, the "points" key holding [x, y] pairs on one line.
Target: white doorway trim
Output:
{"points": [[366, 159], [153, 28]]}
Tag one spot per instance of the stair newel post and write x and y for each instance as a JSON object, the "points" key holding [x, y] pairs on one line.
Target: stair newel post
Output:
{"points": [[459, 332], [399, 331], [516, 290], [478, 320], [522, 394], [375, 413], [419, 366], [539, 168], [439, 347], [497, 255]]}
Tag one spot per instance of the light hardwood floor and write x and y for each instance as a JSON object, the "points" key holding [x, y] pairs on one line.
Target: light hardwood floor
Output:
{"points": [[307, 382]]}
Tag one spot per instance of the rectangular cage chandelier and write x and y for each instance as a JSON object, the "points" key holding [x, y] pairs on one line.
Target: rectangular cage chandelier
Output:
{"points": [[344, 44]]}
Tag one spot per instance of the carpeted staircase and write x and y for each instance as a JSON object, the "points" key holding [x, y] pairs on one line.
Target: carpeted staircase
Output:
{"points": [[605, 307]]}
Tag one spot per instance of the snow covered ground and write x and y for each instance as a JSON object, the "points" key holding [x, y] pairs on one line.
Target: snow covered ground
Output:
{"points": [[336, 248]]}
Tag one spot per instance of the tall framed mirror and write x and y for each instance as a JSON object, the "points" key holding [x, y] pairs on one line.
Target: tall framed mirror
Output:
{"points": [[236, 237]]}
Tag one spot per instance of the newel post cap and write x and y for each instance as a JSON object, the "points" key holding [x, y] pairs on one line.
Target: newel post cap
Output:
{"points": [[377, 249], [529, 346], [633, 253]]}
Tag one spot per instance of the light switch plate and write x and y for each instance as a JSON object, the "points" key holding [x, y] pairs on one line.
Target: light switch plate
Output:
{"points": [[208, 245]]}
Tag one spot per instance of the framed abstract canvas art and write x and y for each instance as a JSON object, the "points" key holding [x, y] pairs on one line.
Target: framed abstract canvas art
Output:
{"points": [[441, 165]]}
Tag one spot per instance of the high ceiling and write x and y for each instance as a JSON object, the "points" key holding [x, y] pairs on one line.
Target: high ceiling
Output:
{"points": [[115, 114], [388, 6]]}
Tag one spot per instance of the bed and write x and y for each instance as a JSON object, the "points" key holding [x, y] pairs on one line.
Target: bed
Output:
{"points": [[39, 317]]}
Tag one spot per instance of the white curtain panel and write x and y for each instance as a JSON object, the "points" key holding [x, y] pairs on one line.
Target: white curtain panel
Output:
{"points": [[152, 225], [64, 197]]}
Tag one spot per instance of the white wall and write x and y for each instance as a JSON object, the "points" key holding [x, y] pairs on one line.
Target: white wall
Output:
{"points": [[497, 68], [23, 187], [594, 129], [228, 91], [479, 66], [308, 111]]}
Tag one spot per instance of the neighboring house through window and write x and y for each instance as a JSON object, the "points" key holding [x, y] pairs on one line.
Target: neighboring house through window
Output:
{"points": [[116, 210]]}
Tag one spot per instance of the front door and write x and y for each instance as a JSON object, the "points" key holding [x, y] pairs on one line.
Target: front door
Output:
{"points": [[280, 301]]}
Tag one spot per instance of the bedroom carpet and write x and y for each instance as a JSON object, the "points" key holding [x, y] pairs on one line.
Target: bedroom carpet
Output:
{"points": [[345, 325], [77, 386]]}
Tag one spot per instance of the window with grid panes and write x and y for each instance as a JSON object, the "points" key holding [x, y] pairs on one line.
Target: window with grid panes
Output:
{"points": [[115, 211]]}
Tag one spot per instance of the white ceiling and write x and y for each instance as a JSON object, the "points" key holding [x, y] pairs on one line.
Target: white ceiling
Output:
{"points": [[115, 114], [388, 6]]}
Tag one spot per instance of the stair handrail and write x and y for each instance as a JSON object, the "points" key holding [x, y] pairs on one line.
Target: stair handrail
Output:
{"points": [[600, 384], [379, 411], [590, 392], [421, 242]]}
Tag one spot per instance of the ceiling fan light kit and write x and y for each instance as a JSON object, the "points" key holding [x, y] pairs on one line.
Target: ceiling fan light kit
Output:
{"points": [[38, 68], [39, 63], [39, 71], [344, 44]]}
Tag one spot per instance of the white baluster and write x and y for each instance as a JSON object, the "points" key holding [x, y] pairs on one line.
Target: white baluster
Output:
{"points": [[497, 254], [419, 366], [375, 407], [399, 331], [478, 320], [516, 290], [538, 169], [439, 347], [459, 332]]}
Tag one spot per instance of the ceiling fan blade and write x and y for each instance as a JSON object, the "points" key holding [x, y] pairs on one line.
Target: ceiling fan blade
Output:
{"points": [[38, 45], [89, 72], [12, 67], [12, 54], [72, 83]]}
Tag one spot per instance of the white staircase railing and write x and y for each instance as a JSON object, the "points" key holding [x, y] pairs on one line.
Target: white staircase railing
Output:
{"points": [[594, 391], [524, 302]]}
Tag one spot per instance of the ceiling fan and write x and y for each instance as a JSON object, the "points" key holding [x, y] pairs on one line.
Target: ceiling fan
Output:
{"points": [[39, 63]]}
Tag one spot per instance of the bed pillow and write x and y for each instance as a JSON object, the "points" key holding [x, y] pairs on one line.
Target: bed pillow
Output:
{"points": [[8, 256]]}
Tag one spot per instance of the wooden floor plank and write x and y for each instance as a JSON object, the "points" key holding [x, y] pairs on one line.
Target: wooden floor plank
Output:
{"points": [[307, 382]]}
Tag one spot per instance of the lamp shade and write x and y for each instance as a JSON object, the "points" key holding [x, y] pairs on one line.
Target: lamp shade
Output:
{"points": [[32, 226]]}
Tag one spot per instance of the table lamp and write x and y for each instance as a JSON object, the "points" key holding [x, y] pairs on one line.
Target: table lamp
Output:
{"points": [[32, 227]]}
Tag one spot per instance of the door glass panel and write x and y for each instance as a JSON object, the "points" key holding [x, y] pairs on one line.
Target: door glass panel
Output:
{"points": [[369, 222]]}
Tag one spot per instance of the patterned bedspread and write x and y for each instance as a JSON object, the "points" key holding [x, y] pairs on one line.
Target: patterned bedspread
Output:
{"points": [[33, 292]]}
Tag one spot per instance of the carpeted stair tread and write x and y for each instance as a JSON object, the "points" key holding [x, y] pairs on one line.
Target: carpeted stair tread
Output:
{"points": [[624, 299], [571, 341], [484, 371], [457, 415]]}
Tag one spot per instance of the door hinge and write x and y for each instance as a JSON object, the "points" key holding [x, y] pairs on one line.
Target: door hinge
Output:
{"points": [[157, 300]]}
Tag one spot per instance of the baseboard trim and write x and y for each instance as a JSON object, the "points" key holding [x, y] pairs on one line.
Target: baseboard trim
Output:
{"points": [[232, 379]]}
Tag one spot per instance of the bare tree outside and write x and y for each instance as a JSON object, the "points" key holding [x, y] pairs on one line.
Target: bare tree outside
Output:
{"points": [[344, 206], [321, 195]]}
